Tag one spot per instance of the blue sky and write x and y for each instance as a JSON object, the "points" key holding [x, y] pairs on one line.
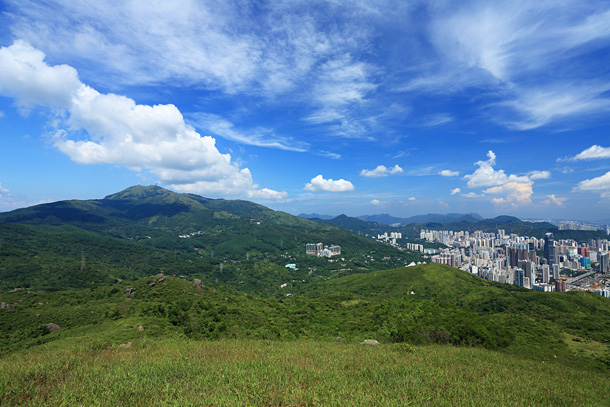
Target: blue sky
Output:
{"points": [[332, 107]]}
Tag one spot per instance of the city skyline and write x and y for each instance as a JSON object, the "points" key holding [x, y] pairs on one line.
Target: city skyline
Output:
{"points": [[357, 108]]}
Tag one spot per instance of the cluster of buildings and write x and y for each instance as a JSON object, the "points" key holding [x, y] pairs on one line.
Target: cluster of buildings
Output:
{"points": [[513, 259], [390, 239], [320, 250]]}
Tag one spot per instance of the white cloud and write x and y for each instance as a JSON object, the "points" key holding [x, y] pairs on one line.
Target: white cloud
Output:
{"points": [[534, 175], [25, 76], [411, 198], [473, 195], [541, 106], [260, 137], [592, 153], [601, 184], [375, 202], [266, 193], [552, 199], [517, 190], [517, 193], [329, 154], [3, 191], [533, 55], [455, 191], [320, 184], [449, 173], [119, 131], [485, 175], [437, 120], [381, 171]]}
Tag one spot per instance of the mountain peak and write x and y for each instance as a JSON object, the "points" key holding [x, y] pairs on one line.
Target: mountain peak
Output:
{"points": [[140, 192]]}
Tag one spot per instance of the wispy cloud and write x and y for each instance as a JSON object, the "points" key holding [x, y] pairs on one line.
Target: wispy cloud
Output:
{"points": [[334, 156], [436, 120], [381, 171], [526, 55], [260, 137]]}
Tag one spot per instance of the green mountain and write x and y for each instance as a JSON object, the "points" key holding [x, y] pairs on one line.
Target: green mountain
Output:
{"points": [[149, 229]]}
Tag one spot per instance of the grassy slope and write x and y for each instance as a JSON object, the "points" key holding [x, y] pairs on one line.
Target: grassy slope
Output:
{"points": [[243, 373]]}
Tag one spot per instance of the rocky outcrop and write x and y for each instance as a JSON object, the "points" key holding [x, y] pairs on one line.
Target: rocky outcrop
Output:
{"points": [[53, 327], [371, 342], [198, 284], [8, 306]]}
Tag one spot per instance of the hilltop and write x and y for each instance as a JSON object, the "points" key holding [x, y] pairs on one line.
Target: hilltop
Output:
{"points": [[148, 229]]}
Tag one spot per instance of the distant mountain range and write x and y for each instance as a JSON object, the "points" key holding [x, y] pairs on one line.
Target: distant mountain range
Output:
{"points": [[456, 222], [430, 217], [386, 219]]}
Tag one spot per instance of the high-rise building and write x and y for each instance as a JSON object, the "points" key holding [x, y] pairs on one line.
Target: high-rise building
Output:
{"points": [[550, 251], [604, 265], [555, 271], [519, 277], [560, 286], [545, 273]]}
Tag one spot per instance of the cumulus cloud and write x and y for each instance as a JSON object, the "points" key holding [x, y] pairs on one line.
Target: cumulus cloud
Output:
{"points": [[382, 171], [517, 190], [411, 198], [449, 173], [320, 184], [455, 191], [517, 193], [594, 152], [375, 202], [266, 193], [600, 184], [3, 191], [25, 76], [117, 130], [555, 200]]}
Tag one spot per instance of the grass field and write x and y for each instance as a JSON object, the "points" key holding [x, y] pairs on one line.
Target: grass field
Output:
{"points": [[155, 371]]}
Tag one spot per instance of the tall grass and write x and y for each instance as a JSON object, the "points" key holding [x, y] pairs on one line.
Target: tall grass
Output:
{"points": [[300, 373]]}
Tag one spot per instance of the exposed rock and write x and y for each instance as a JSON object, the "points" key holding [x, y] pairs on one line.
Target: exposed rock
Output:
{"points": [[32, 293], [130, 290], [37, 315], [371, 342], [151, 285], [8, 306], [197, 284], [127, 299], [125, 345], [140, 328], [339, 339], [16, 290], [53, 327], [190, 293]]}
